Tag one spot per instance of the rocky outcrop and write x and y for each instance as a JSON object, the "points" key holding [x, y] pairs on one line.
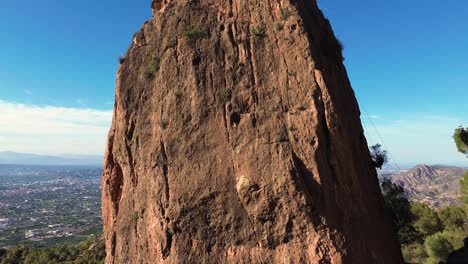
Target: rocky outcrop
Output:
{"points": [[436, 186], [236, 138]]}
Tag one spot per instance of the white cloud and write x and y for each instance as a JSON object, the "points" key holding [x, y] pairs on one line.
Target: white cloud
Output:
{"points": [[52, 130], [418, 139], [28, 92]]}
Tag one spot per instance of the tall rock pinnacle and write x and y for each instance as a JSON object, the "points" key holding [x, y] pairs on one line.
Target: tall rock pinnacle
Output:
{"points": [[236, 138]]}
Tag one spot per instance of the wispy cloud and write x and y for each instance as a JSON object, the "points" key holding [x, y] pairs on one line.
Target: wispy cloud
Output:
{"points": [[52, 130], [28, 92]]}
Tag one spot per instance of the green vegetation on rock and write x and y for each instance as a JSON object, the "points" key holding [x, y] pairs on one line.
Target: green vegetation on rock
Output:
{"points": [[259, 32], [452, 217], [426, 220], [438, 247], [197, 32]]}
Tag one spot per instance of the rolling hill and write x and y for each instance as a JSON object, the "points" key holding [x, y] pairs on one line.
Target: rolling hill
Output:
{"points": [[436, 186]]}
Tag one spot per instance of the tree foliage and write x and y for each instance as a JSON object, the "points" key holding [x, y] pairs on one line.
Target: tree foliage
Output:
{"points": [[379, 156], [414, 253], [461, 139], [438, 247], [399, 209], [452, 217], [91, 251], [426, 220]]}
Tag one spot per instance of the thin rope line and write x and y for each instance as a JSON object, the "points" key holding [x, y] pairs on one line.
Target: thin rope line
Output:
{"points": [[380, 137]]}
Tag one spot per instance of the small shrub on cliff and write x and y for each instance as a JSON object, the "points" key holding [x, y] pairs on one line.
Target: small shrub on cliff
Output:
{"points": [[285, 13], [197, 32], [135, 216], [121, 59], [379, 156], [279, 26], [163, 123], [151, 69], [301, 108], [226, 95], [259, 32], [332, 48], [178, 93], [340, 48]]}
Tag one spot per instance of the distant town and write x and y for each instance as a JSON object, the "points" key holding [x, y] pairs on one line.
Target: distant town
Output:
{"points": [[44, 206]]}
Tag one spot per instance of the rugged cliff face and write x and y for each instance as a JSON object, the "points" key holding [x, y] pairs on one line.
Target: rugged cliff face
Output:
{"points": [[236, 138]]}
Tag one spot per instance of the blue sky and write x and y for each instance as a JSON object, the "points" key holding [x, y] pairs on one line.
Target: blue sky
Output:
{"points": [[407, 61]]}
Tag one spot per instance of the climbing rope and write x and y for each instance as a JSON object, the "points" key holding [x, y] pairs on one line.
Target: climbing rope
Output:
{"points": [[378, 134]]}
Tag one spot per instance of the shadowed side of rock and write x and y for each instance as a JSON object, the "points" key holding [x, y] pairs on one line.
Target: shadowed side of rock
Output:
{"points": [[236, 138]]}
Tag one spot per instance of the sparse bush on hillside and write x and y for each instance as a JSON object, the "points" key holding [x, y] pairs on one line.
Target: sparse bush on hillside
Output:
{"points": [[333, 48], [226, 95], [163, 123], [151, 69], [301, 108], [197, 32], [178, 93], [279, 26], [121, 59], [259, 32], [285, 13]]}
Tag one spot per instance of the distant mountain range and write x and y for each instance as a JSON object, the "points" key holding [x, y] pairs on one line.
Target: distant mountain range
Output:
{"points": [[9, 157], [437, 186]]}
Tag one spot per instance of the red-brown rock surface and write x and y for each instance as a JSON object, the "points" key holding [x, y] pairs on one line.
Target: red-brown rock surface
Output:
{"points": [[236, 138]]}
